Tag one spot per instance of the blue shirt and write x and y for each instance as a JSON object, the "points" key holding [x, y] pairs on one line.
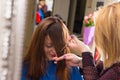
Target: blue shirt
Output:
{"points": [[41, 14], [50, 73]]}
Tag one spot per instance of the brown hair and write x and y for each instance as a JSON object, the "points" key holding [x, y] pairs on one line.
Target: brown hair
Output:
{"points": [[36, 57], [107, 33]]}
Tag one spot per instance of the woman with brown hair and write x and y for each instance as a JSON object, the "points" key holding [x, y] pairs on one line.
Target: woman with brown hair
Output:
{"points": [[107, 39], [48, 41]]}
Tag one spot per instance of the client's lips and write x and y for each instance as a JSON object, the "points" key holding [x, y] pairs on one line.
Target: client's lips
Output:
{"points": [[53, 55]]}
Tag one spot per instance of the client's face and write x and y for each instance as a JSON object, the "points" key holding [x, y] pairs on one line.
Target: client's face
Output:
{"points": [[49, 48]]}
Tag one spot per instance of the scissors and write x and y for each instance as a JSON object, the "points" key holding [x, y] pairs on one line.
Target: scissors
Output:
{"points": [[67, 43]]}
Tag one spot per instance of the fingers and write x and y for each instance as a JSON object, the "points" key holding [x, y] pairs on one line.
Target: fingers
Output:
{"points": [[74, 38], [71, 64], [71, 59], [69, 56], [56, 59], [77, 46], [65, 56], [74, 41]]}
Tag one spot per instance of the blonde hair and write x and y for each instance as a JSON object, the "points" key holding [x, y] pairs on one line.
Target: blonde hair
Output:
{"points": [[107, 32]]}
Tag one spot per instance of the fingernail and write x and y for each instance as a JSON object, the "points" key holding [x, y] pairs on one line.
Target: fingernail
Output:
{"points": [[55, 62], [72, 36], [64, 56]]}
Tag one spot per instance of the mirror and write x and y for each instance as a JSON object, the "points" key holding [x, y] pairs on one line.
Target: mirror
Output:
{"points": [[44, 9]]}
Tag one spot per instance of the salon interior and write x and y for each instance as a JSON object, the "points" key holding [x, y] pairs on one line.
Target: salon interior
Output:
{"points": [[17, 24]]}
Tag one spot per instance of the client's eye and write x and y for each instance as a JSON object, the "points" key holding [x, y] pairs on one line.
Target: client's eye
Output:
{"points": [[49, 45]]}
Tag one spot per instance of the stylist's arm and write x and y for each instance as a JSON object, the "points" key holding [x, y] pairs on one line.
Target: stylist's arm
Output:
{"points": [[77, 47]]}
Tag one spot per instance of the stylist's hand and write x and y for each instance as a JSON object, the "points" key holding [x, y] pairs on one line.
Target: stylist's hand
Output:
{"points": [[71, 59], [77, 46]]}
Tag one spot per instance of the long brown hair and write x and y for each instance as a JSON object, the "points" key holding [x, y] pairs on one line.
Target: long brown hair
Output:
{"points": [[36, 57]]}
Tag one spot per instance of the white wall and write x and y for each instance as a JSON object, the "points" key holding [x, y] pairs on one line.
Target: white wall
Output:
{"points": [[61, 7], [49, 3], [2, 9], [110, 1], [92, 8]]}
